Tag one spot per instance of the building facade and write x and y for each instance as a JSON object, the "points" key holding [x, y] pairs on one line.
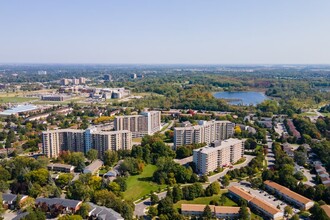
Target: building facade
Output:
{"points": [[218, 154], [55, 141], [290, 196], [204, 132], [147, 123], [267, 210]]}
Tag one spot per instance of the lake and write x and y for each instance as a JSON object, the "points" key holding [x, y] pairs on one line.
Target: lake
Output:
{"points": [[241, 98]]}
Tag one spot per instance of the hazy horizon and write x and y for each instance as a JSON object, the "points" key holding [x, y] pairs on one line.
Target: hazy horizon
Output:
{"points": [[169, 32]]}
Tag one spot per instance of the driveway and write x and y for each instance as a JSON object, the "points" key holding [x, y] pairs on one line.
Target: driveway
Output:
{"points": [[270, 157]]}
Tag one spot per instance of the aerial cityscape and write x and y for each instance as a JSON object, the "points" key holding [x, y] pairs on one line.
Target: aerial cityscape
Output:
{"points": [[169, 110]]}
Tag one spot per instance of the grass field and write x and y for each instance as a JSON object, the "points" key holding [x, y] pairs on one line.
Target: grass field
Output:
{"points": [[205, 201], [141, 185], [14, 99]]}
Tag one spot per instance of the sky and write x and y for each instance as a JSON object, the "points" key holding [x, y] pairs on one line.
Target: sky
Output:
{"points": [[165, 32]]}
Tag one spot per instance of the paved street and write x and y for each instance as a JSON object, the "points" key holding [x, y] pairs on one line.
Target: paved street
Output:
{"points": [[270, 158], [184, 160], [280, 128], [218, 175], [141, 206]]}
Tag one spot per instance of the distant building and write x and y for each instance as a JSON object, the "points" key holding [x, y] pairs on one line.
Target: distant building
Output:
{"points": [[93, 167], [82, 80], [42, 72], [218, 154], [133, 76], [58, 167], [55, 98], [290, 196], [107, 77], [220, 212], [204, 132], [64, 82], [75, 81], [147, 123], [55, 141], [19, 110], [267, 210]]}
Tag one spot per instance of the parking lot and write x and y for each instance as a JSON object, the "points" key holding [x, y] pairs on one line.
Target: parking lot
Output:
{"points": [[263, 195]]}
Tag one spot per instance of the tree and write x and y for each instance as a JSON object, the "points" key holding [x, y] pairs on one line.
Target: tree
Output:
{"points": [[223, 199], [225, 180], [35, 214], [84, 210], [70, 217], [256, 182], [154, 199], [244, 213], [207, 213], [300, 158], [92, 154], [121, 181], [2, 210], [213, 188], [165, 206], [64, 179], [288, 210], [177, 194], [295, 217], [152, 211]]}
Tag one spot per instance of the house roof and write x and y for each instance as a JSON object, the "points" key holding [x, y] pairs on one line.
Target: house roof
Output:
{"points": [[288, 192], [57, 201], [265, 206], [94, 166], [241, 193], [326, 208], [104, 213], [8, 197], [216, 209]]}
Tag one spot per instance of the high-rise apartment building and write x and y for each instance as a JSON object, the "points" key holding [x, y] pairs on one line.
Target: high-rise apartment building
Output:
{"points": [[147, 123], [204, 132], [55, 141], [218, 154]]}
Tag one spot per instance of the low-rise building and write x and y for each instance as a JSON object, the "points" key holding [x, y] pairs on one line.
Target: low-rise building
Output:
{"points": [[326, 209], [220, 212], [54, 98], [9, 200], [103, 213], [93, 167], [67, 205], [267, 210], [58, 167], [290, 196]]}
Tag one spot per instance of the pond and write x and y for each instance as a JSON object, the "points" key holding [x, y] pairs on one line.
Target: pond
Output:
{"points": [[241, 98]]}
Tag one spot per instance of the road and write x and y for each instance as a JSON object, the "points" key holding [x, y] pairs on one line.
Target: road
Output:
{"points": [[280, 128], [224, 172], [140, 207], [270, 157], [170, 125]]}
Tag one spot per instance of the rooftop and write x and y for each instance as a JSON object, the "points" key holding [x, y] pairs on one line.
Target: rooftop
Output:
{"points": [[57, 201], [288, 192], [104, 213], [216, 209], [225, 143], [96, 164], [19, 109]]}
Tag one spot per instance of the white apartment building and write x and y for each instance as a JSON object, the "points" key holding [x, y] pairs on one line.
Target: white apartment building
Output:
{"points": [[204, 132], [147, 123], [218, 154], [55, 141]]}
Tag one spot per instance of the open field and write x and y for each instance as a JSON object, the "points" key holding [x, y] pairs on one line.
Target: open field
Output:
{"points": [[205, 201], [15, 99], [141, 185]]}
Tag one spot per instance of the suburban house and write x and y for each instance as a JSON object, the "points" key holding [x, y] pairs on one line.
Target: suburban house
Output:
{"points": [[93, 167], [103, 213], [10, 200], [65, 205]]}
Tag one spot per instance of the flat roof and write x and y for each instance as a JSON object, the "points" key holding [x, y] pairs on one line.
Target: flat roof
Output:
{"points": [[19, 109], [288, 192], [224, 143], [96, 164], [67, 166], [216, 209]]}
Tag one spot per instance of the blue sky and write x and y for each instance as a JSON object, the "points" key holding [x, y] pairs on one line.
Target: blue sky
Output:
{"points": [[168, 31]]}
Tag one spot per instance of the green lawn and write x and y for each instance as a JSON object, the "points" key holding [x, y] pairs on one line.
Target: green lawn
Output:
{"points": [[205, 201], [141, 185], [14, 99]]}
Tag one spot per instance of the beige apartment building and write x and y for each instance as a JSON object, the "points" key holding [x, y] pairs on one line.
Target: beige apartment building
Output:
{"points": [[204, 132], [147, 123], [55, 141], [218, 154]]}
